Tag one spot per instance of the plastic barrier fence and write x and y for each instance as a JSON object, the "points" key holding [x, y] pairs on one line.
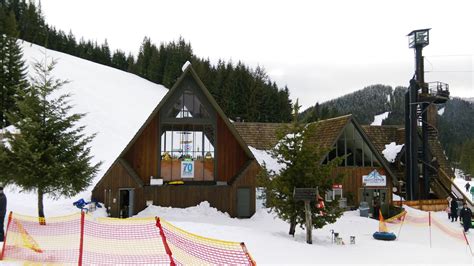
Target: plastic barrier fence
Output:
{"points": [[437, 234], [80, 239]]}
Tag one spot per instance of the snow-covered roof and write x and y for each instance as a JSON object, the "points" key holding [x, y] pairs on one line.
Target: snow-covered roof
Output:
{"points": [[378, 119], [265, 158], [391, 151]]}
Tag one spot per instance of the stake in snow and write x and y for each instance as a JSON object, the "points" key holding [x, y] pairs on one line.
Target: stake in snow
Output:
{"points": [[50, 154]]}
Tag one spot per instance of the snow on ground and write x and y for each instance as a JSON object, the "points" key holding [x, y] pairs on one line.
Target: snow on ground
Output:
{"points": [[391, 150], [268, 242], [461, 183], [379, 118]]}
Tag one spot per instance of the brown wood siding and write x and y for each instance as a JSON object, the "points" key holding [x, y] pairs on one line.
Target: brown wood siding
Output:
{"points": [[353, 180], [143, 155], [230, 156], [224, 198], [116, 178], [248, 179]]}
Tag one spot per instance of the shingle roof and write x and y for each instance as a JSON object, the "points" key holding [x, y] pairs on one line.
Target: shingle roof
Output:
{"points": [[328, 131], [382, 135], [263, 136]]}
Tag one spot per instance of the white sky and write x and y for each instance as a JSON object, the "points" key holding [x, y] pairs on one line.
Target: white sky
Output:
{"points": [[320, 49]]}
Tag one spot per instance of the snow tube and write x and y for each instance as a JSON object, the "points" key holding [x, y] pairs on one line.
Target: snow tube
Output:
{"points": [[384, 236]]}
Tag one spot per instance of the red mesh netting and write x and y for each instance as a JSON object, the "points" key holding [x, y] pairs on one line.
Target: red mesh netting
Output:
{"points": [[81, 239]]}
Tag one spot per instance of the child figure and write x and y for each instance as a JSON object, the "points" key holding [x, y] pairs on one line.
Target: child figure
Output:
{"points": [[448, 211]]}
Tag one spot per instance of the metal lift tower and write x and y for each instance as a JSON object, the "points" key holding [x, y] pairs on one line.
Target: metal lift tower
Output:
{"points": [[418, 98]]}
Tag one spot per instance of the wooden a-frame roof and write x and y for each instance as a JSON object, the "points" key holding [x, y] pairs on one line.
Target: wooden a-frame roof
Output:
{"points": [[188, 71], [262, 136]]}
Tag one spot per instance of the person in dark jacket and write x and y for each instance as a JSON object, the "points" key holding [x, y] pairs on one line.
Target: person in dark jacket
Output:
{"points": [[454, 210], [467, 186], [465, 217], [3, 211]]}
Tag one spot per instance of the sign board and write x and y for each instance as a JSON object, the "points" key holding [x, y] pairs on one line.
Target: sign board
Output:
{"points": [[187, 169], [374, 179], [305, 194], [337, 186]]}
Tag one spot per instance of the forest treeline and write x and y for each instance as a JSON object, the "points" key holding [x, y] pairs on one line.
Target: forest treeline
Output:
{"points": [[242, 92]]}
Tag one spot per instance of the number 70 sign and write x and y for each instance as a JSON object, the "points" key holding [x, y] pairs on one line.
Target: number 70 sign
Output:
{"points": [[187, 169]]}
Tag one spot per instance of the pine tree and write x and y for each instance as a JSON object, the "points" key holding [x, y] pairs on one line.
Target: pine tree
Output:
{"points": [[14, 80], [50, 155], [300, 156], [12, 69]]}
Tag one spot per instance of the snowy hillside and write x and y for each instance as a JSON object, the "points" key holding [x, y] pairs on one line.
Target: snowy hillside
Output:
{"points": [[117, 103]]}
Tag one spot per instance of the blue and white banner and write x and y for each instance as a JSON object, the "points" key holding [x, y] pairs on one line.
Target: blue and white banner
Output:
{"points": [[374, 179], [187, 169]]}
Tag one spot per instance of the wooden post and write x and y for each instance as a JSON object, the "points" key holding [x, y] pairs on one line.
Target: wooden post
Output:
{"points": [[307, 195], [309, 222]]}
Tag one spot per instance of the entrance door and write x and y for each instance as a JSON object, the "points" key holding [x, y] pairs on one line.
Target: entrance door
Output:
{"points": [[370, 195], [126, 202], [243, 202]]}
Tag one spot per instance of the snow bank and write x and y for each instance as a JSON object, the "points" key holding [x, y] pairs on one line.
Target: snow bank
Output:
{"points": [[379, 118], [203, 211], [265, 157], [391, 150]]}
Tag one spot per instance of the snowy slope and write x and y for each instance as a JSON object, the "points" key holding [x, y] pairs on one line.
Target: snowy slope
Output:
{"points": [[117, 103]]}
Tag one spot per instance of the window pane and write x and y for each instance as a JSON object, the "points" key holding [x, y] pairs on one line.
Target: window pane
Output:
{"points": [[187, 143], [188, 105]]}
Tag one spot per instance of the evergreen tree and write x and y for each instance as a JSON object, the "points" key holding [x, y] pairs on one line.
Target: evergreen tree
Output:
{"points": [[50, 155], [12, 69], [300, 156]]}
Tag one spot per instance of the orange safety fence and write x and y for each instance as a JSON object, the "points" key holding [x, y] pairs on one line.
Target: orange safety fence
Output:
{"points": [[426, 220], [81, 239]]}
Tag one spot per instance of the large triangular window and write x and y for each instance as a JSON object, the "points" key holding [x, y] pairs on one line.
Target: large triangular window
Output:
{"points": [[354, 149], [188, 105], [188, 136]]}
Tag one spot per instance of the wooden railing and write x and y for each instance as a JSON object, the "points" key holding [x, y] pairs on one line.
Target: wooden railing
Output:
{"points": [[425, 205], [455, 189]]}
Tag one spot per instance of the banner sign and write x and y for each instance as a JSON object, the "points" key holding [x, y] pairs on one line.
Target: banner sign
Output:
{"points": [[374, 179], [187, 169]]}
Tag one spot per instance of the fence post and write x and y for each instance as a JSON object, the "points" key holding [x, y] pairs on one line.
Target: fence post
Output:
{"points": [[429, 222], [6, 234], [81, 242], [165, 243]]}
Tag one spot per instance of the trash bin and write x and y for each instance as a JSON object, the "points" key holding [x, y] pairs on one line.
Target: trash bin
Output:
{"points": [[343, 203], [364, 209]]}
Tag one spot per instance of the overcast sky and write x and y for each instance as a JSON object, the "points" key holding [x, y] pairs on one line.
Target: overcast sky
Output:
{"points": [[320, 49]]}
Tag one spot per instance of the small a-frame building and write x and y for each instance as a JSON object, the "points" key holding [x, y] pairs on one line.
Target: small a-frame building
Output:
{"points": [[185, 153], [341, 137]]}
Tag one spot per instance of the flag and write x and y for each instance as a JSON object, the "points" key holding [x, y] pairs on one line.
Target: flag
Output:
{"points": [[382, 225]]}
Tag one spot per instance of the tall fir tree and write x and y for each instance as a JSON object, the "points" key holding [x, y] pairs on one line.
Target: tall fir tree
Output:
{"points": [[301, 157], [50, 155]]}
